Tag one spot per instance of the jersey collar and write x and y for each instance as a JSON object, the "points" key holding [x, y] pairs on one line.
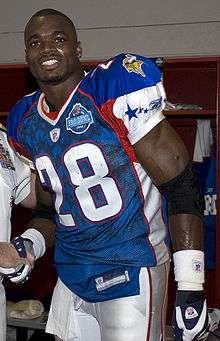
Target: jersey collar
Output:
{"points": [[54, 116]]}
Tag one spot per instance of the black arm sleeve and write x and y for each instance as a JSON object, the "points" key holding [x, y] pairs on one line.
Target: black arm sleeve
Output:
{"points": [[183, 193]]}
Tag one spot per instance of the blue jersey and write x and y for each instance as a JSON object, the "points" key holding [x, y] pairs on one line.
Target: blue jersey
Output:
{"points": [[109, 221]]}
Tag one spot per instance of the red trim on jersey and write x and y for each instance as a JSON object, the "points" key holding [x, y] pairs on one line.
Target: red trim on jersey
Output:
{"points": [[17, 147], [150, 304], [54, 114], [115, 123], [164, 303], [51, 115], [120, 129], [145, 218]]}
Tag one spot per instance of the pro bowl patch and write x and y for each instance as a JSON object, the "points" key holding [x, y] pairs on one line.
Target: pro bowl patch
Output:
{"points": [[131, 64], [79, 119]]}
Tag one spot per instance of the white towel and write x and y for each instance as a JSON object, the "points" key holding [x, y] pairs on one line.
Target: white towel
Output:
{"points": [[204, 140], [25, 309]]}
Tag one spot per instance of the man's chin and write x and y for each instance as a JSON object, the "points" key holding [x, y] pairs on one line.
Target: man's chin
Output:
{"points": [[51, 80]]}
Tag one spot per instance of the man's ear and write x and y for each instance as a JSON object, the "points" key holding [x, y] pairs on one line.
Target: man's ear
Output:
{"points": [[79, 49]]}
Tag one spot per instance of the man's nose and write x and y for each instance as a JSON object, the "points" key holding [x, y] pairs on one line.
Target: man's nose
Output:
{"points": [[47, 45]]}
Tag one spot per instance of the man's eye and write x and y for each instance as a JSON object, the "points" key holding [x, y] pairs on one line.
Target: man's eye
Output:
{"points": [[59, 39], [34, 43]]}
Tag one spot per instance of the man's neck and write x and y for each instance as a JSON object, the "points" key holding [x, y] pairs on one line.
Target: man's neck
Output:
{"points": [[57, 94]]}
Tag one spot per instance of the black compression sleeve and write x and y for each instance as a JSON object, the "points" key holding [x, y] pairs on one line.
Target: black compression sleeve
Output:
{"points": [[183, 193]]}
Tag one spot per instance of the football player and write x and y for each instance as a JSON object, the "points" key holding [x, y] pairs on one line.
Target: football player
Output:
{"points": [[101, 144]]}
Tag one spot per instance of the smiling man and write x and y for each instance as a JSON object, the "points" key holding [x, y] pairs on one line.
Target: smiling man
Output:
{"points": [[102, 146]]}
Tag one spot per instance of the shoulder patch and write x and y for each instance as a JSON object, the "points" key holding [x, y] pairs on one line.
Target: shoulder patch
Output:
{"points": [[132, 64]]}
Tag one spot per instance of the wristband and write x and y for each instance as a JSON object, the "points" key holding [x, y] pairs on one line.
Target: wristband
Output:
{"points": [[189, 269], [38, 241]]}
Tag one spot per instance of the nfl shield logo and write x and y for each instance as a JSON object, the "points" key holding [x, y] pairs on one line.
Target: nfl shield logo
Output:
{"points": [[197, 265], [79, 119], [55, 134]]}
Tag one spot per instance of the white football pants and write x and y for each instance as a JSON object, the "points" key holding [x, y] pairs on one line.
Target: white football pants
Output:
{"points": [[135, 318]]}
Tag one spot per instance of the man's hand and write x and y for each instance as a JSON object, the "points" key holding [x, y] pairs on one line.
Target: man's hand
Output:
{"points": [[191, 321], [9, 257], [21, 260]]}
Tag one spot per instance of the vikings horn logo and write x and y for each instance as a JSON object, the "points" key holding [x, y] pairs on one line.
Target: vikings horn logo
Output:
{"points": [[131, 64]]}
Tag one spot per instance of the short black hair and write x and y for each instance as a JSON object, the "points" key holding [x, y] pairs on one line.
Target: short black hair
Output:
{"points": [[48, 12]]}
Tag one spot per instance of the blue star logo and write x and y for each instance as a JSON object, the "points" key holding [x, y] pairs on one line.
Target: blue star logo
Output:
{"points": [[131, 113], [145, 110]]}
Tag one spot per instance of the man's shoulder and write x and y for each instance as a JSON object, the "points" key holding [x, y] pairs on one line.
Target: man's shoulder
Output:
{"points": [[125, 68], [129, 63], [19, 111], [120, 75], [25, 102]]}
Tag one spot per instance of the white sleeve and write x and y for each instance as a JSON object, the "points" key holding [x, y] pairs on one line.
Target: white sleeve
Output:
{"points": [[23, 180], [141, 110]]}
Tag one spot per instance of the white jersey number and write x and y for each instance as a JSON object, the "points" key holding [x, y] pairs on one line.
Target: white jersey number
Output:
{"points": [[96, 191]]}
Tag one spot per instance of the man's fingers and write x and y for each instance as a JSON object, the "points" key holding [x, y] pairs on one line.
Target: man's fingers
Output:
{"points": [[13, 266], [9, 257], [21, 275], [30, 258], [17, 260]]}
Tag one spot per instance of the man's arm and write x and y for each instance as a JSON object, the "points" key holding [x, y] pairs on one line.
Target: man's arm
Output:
{"points": [[40, 233], [30, 201], [43, 213], [9, 257], [164, 157]]}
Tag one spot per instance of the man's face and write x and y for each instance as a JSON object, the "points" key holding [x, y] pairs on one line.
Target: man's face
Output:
{"points": [[52, 50]]}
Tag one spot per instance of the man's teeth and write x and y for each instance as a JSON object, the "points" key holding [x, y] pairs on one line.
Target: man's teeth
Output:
{"points": [[49, 62]]}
